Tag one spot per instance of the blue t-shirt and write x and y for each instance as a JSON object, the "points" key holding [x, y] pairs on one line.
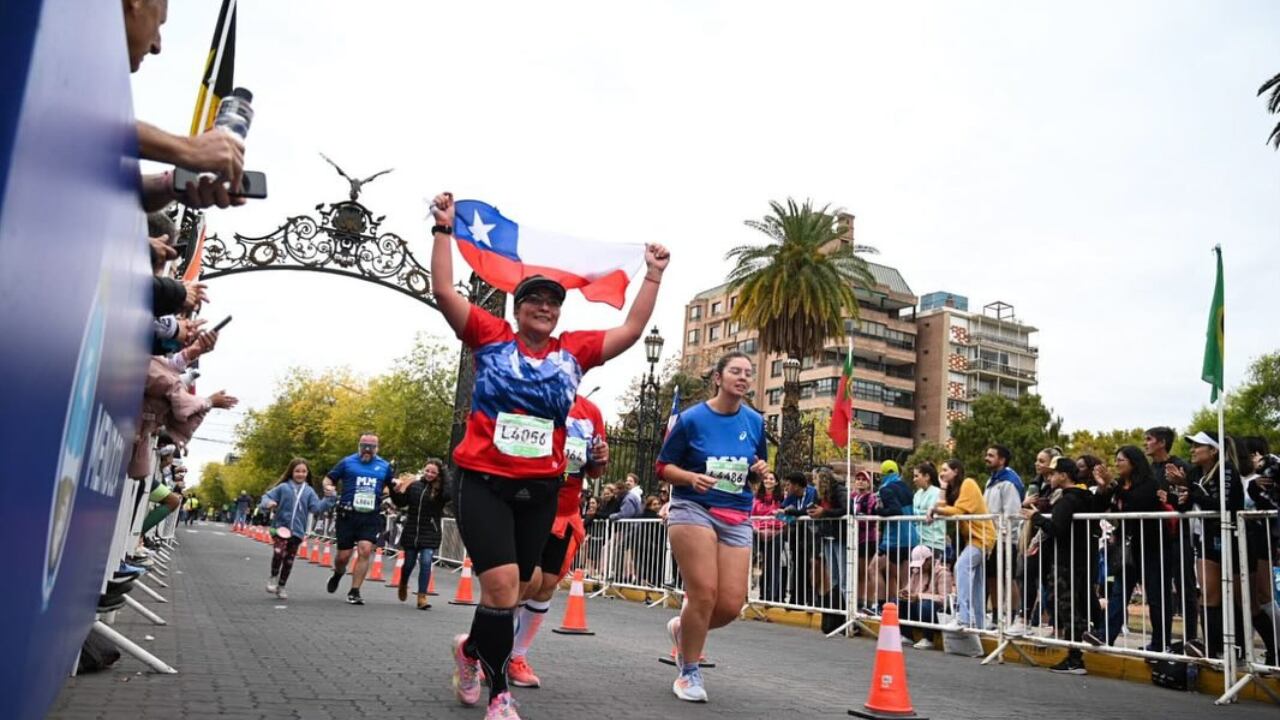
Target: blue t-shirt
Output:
{"points": [[362, 482], [722, 446]]}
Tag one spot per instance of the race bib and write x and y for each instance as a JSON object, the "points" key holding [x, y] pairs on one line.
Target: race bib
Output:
{"points": [[730, 473], [575, 451], [365, 501], [523, 436]]}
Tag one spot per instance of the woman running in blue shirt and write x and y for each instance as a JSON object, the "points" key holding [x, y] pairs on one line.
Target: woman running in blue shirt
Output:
{"points": [[707, 458]]}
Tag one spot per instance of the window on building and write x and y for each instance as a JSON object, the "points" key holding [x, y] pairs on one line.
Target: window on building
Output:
{"points": [[733, 302], [693, 336], [866, 390], [775, 368], [806, 390], [773, 422], [695, 312], [826, 387], [713, 332], [867, 419], [898, 398], [774, 396], [806, 363], [748, 346], [734, 327], [716, 308], [895, 426]]}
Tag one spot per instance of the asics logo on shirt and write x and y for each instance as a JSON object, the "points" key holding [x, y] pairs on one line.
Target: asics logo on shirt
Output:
{"points": [[742, 436]]}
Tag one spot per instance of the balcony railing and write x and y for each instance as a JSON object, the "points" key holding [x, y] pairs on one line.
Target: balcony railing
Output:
{"points": [[1003, 369], [1005, 341]]}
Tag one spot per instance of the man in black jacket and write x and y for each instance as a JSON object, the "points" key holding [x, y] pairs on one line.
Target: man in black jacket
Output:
{"points": [[1067, 553]]}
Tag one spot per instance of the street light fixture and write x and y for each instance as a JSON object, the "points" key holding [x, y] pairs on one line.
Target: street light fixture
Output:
{"points": [[647, 413], [791, 371], [653, 347]]}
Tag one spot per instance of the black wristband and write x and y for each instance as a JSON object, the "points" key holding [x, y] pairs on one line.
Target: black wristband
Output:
{"points": [[446, 229]]}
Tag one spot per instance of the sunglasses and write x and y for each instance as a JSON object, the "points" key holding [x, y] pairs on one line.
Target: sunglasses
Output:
{"points": [[367, 447]]}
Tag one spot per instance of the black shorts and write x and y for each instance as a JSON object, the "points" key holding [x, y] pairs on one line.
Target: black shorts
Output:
{"points": [[553, 553], [353, 527], [504, 521]]}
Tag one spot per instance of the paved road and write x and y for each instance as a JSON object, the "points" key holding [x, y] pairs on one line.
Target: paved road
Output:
{"points": [[243, 654]]}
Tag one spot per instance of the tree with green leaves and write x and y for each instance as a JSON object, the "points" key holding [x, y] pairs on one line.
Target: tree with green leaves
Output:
{"points": [[1023, 425], [1102, 445], [930, 452], [797, 288], [1253, 408], [1273, 106], [320, 416]]}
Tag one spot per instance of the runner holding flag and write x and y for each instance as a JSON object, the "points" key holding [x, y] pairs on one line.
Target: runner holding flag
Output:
{"points": [[512, 459]]}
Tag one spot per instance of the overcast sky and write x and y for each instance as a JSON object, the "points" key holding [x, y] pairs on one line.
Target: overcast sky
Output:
{"points": [[1076, 160]]}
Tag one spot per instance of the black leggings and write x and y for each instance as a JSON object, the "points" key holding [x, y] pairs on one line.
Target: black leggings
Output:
{"points": [[283, 551], [505, 521]]}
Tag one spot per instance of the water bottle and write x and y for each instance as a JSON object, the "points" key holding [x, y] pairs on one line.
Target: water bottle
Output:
{"points": [[235, 113]]}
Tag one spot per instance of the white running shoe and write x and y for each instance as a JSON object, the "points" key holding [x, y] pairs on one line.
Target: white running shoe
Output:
{"points": [[923, 645], [688, 687], [1017, 628], [281, 594], [271, 586]]}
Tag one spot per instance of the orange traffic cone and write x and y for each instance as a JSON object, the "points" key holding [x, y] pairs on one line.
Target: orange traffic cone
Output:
{"points": [[302, 548], [375, 575], [575, 612], [396, 570], [888, 697], [326, 560], [315, 553], [463, 596], [431, 583]]}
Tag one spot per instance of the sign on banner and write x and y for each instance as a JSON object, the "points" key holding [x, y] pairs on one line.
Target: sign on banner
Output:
{"points": [[75, 314]]}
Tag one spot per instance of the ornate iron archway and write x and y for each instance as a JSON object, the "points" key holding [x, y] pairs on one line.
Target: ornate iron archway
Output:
{"points": [[345, 240]]}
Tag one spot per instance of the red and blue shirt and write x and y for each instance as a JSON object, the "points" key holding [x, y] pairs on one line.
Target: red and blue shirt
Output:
{"points": [[521, 401]]}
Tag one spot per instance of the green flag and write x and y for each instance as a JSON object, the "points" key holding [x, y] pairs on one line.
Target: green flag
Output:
{"points": [[1214, 345]]}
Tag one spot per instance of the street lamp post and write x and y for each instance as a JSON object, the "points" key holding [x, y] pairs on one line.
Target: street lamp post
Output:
{"points": [[787, 459], [647, 413]]}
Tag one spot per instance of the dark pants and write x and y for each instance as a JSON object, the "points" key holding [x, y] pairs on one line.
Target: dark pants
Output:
{"points": [[1123, 579], [283, 551], [773, 576]]}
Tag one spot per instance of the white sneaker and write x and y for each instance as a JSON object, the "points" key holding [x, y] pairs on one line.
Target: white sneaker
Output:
{"points": [[923, 645], [1017, 628], [282, 594], [952, 626], [271, 586]]}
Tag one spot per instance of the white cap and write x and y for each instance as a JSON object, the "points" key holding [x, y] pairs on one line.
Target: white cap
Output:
{"points": [[1202, 438]]}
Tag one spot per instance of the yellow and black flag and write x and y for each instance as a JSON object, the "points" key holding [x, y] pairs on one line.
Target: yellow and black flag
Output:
{"points": [[219, 69]]}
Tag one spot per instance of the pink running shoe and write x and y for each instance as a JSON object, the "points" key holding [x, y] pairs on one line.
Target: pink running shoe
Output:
{"points": [[521, 675], [673, 634], [502, 707], [466, 675]]}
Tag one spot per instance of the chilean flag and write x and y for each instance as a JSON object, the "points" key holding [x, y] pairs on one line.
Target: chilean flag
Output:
{"points": [[503, 253]]}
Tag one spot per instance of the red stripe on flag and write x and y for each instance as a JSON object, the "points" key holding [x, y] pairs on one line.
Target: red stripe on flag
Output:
{"points": [[505, 274]]}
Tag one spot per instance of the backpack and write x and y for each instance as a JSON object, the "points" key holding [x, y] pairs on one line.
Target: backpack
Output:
{"points": [[1173, 674], [97, 654]]}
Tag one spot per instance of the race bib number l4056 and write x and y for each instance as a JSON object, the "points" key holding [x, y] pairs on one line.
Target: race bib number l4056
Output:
{"points": [[523, 436]]}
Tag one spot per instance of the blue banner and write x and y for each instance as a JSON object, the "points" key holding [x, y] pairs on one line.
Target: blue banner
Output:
{"points": [[74, 308]]}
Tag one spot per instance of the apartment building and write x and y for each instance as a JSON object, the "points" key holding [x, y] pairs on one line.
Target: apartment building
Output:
{"points": [[961, 355], [884, 355]]}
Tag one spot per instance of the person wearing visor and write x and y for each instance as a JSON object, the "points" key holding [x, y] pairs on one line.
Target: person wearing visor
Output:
{"points": [[364, 478], [512, 458], [1205, 487]]}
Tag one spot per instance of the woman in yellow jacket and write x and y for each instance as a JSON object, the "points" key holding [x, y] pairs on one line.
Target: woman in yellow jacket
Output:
{"points": [[978, 538]]}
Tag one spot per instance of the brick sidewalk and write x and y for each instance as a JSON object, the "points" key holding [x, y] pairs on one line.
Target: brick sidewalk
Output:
{"points": [[243, 654]]}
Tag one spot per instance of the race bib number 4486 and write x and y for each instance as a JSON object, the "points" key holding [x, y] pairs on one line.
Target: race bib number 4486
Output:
{"points": [[523, 435], [730, 473]]}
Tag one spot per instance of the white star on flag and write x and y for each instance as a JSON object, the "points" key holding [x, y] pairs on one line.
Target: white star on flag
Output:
{"points": [[479, 230]]}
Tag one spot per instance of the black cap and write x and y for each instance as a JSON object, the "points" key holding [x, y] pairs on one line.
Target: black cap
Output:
{"points": [[534, 283], [243, 94]]}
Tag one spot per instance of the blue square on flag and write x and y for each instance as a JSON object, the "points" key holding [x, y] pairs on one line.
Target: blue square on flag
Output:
{"points": [[484, 227]]}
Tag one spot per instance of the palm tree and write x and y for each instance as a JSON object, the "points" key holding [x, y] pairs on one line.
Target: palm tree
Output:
{"points": [[797, 289], [1273, 106]]}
